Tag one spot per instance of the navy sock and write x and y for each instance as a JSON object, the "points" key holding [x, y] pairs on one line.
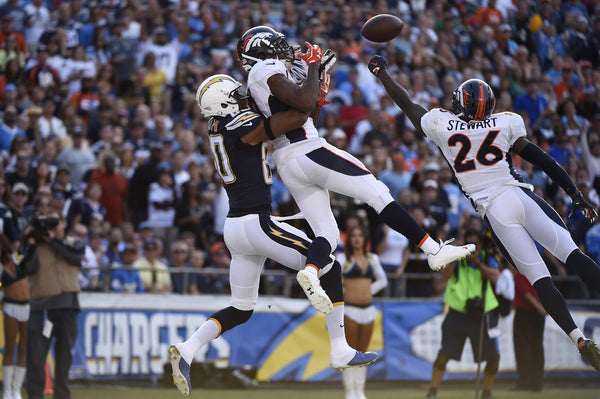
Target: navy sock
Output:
{"points": [[332, 283], [318, 253], [554, 303], [586, 268], [398, 219]]}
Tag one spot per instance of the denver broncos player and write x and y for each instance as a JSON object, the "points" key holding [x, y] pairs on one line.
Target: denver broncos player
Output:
{"points": [[236, 140], [307, 164], [477, 146]]}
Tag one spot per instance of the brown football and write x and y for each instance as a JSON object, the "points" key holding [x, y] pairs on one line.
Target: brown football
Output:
{"points": [[382, 28]]}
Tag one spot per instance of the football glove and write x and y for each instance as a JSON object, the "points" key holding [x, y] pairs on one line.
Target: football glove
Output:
{"points": [[324, 89], [313, 54], [298, 70], [377, 64], [579, 202], [329, 58]]}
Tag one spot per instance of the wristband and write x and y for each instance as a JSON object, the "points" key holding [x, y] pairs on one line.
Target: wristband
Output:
{"points": [[268, 129]]}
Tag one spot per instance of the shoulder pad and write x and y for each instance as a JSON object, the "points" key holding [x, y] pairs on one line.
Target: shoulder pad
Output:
{"points": [[244, 118]]}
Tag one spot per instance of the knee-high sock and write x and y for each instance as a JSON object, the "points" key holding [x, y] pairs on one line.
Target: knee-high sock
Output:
{"points": [[398, 219], [586, 268], [554, 303], [318, 253]]}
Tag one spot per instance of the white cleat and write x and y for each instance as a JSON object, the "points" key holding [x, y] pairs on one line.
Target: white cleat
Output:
{"points": [[448, 254], [181, 371], [315, 294]]}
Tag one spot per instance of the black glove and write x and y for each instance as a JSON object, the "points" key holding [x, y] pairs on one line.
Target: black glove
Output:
{"points": [[579, 202], [377, 64]]}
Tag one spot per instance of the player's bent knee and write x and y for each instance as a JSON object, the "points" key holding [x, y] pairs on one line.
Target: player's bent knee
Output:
{"points": [[492, 366], [383, 198], [231, 317], [440, 362]]}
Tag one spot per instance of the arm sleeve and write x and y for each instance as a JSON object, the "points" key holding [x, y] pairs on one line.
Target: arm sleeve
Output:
{"points": [[29, 264], [538, 157], [380, 281], [73, 254]]}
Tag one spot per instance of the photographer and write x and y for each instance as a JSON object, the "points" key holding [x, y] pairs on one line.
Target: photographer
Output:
{"points": [[52, 263], [470, 298]]}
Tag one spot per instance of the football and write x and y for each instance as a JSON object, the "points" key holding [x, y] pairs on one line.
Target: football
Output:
{"points": [[382, 28]]}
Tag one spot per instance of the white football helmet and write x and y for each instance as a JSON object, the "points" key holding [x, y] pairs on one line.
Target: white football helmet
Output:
{"points": [[216, 96]]}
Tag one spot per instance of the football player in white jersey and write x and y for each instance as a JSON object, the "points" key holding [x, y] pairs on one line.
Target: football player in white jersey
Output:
{"points": [[477, 145], [236, 136], [307, 164]]}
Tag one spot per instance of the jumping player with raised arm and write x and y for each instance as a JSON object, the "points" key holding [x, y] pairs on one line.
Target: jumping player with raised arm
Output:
{"points": [[308, 165], [477, 146], [236, 136]]}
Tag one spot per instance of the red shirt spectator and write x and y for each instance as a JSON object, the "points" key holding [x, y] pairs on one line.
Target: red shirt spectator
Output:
{"points": [[114, 190], [6, 30], [522, 288]]}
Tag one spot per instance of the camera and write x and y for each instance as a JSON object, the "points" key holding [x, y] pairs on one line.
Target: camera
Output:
{"points": [[40, 226], [475, 306]]}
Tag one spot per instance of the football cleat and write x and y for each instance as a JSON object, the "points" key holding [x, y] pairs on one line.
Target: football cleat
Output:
{"points": [[448, 254], [315, 294], [181, 371], [589, 351], [360, 359]]}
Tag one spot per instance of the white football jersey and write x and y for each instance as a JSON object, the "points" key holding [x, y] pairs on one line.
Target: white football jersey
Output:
{"points": [[268, 105], [477, 152]]}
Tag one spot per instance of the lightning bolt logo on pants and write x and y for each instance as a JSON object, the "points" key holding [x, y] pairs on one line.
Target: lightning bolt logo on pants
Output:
{"points": [[282, 235]]}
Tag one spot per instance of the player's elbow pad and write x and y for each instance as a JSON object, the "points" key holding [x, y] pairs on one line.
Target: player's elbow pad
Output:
{"points": [[540, 158]]}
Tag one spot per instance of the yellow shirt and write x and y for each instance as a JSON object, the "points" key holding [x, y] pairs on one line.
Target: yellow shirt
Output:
{"points": [[159, 278], [155, 81]]}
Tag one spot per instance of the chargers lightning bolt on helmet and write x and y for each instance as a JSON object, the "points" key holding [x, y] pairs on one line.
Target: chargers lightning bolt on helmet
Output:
{"points": [[473, 100], [260, 43], [218, 95]]}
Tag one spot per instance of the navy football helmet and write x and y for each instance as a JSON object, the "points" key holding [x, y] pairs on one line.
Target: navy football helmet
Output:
{"points": [[260, 43], [473, 100]]}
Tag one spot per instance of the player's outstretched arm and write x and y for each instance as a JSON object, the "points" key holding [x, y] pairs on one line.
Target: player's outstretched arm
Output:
{"points": [[534, 154], [275, 126], [304, 97], [414, 111]]}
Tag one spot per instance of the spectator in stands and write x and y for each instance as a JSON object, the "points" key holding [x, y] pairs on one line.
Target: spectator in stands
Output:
{"points": [[470, 296], [36, 22], [126, 278], [114, 190], [6, 217], [41, 74], [10, 50], [162, 197], [9, 128], [398, 178], [50, 125], [77, 157], [7, 29], [88, 208], [153, 272], [199, 282], [528, 335], [180, 253], [154, 78], [166, 52], [89, 275], [139, 185], [19, 197], [218, 283]]}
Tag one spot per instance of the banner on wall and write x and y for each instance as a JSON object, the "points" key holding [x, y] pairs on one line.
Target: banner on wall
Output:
{"points": [[127, 336]]}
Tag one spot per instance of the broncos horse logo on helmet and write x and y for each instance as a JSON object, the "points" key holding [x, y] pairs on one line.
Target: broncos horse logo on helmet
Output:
{"points": [[473, 100], [260, 43]]}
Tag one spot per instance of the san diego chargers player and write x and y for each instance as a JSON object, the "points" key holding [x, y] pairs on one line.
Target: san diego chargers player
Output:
{"points": [[236, 140], [477, 146], [307, 164]]}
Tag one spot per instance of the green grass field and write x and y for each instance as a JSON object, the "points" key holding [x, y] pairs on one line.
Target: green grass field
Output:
{"points": [[571, 392]]}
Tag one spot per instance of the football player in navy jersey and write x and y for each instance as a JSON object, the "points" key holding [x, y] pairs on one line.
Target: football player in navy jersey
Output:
{"points": [[477, 145], [237, 136], [307, 164]]}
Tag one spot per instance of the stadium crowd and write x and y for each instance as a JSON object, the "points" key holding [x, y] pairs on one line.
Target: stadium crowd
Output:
{"points": [[100, 122]]}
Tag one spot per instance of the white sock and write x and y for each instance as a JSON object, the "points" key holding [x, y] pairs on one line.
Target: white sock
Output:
{"points": [[203, 335], [312, 269], [335, 328], [575, 335], [430, 246]]}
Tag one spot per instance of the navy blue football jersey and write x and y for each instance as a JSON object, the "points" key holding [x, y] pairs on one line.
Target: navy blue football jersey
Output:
{"points": [[244, 168]]}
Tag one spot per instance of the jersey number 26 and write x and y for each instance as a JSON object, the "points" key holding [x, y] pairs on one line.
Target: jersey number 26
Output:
{"points": [[461, 164]]}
